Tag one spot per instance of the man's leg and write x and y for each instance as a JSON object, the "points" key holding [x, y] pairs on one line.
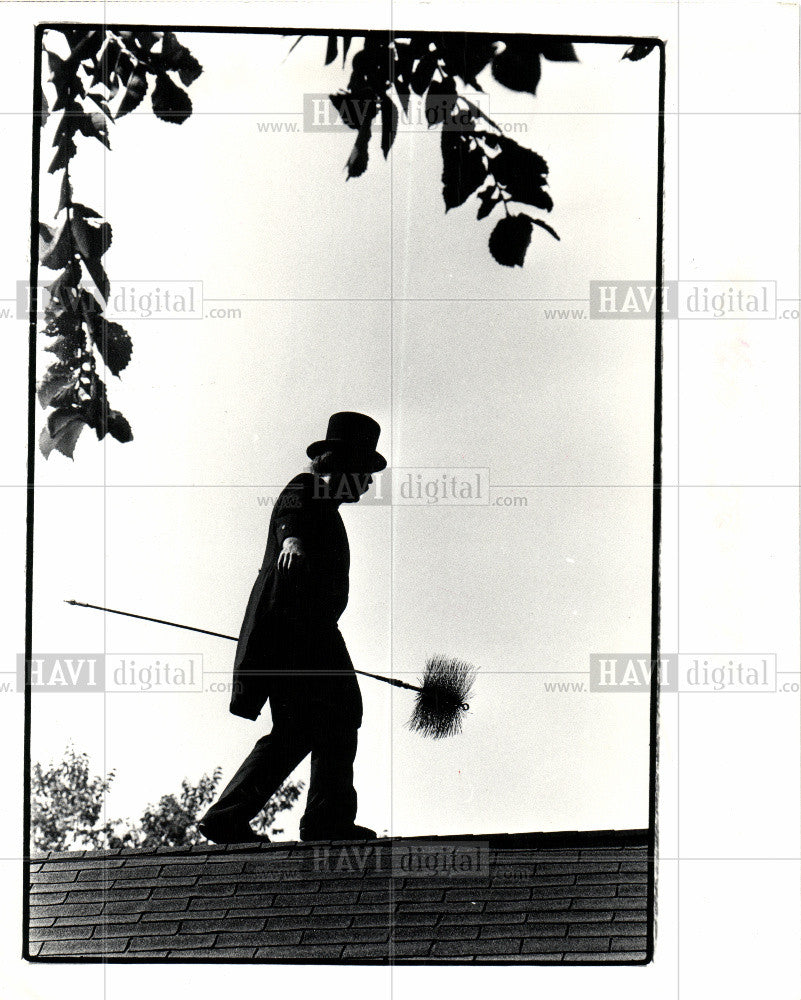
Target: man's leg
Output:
{"points": [[269, 763], [331, 802]]}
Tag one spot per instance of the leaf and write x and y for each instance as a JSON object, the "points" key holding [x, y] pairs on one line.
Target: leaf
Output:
{"points": [[141, 41], [65, 150], [61, 322], [178, 57], [98, 275], [94, 126], [58, 419], [466, 55], [371, 65], [389, 124], [123, 69], [79, 209], [355, 108], [100, 126], [510, 238], [189, 69], [84, 45], [65, 80], [68, 437], [135, 91], [489, 199], [59, 251], [63, 287], [522, 172], [518, 66], [357, 161], [68, 122], [331, 50], [55, 63], [67, 330], [65, 196], [170, 103], [113, 342], [359, 156], [423, 73], [100, 101], [94, 400], [403, 96], [61, 432], [106, 63], [639, 50], [46, 234], [88, 307], [547, 228], [63, 348], [556, 50], [118, 427], [103, 419], [58, 377], [440, 100], [92, 238], [403, 60], [46, 442], [44, 108], [463, 170], [296, 43]]}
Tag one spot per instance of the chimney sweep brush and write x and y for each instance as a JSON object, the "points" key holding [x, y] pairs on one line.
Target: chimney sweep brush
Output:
{"points": [[441, 694], [442, 697]]}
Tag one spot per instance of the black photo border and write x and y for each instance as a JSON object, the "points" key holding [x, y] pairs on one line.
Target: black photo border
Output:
{"points": [[37, 117]]}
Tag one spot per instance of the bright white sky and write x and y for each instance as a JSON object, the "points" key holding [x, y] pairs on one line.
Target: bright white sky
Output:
{"points": [[329, 277]]}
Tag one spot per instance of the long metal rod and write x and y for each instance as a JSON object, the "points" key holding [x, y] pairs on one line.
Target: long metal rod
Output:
{"points": [[147, 618], [222, 635]]}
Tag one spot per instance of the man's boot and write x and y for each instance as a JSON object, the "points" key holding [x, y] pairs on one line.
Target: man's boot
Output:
{"points": [[233, 833]]}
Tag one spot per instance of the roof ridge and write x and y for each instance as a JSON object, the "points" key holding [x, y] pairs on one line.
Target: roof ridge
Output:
{"points": [[545, 838]]}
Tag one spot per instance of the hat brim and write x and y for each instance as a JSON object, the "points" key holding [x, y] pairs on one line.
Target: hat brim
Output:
{"points": [[367, 461]]}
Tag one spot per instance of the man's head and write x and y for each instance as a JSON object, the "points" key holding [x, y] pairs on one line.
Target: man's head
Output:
{"points": [[347, 456], [344, 482], [352, 439]]}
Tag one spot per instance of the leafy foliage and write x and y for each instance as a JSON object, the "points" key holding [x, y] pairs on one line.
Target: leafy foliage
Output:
{"points": [[67, 803], [105, 77], [67, 810], [286, 796], [477, 158]]}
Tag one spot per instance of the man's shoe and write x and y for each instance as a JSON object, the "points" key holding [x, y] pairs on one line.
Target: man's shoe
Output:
{"points": [[350, 832], [241, 833]]}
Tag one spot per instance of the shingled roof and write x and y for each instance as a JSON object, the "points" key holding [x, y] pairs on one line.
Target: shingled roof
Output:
{"points": [[536, 898]]}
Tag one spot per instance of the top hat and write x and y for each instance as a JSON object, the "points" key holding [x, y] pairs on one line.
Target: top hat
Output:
{"points": [[352, 436]]}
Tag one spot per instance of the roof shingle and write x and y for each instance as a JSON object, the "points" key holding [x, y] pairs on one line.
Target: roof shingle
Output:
{"points": [[565, 897]]}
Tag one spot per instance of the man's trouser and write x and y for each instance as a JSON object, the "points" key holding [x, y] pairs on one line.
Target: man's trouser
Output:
{"points": [[317, 713]]}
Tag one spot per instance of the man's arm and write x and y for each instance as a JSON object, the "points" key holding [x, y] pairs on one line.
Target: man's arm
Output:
{"points": [[292, 526]]}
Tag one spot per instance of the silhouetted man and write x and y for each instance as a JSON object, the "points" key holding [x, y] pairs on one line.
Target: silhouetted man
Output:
{"points": [[291, 651]]}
